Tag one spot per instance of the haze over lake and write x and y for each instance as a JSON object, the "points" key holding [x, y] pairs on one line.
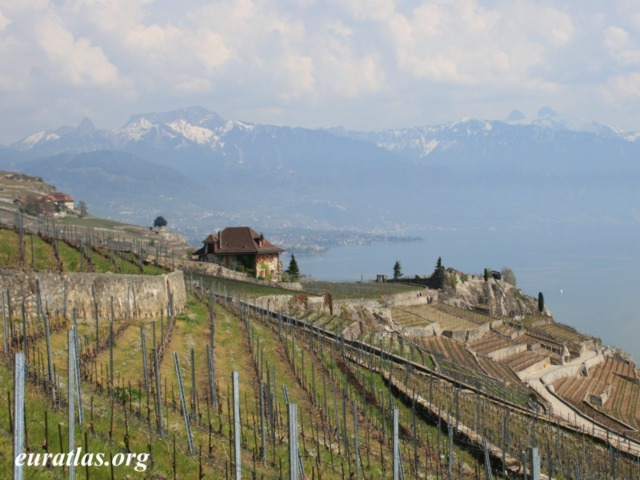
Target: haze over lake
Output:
{"points": [[588, 275]]}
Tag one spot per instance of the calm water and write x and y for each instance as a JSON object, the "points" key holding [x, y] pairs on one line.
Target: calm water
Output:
{"points": [[587, 274]]}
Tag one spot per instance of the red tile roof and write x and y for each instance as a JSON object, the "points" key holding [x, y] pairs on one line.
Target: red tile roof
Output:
{"points": [[238, 241]]}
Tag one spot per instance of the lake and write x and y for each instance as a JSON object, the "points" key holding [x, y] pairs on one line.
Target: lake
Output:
{"points": [[587, 274]]}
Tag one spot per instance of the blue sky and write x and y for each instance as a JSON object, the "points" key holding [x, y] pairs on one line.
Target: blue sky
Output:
{"points": [[364, 64]]}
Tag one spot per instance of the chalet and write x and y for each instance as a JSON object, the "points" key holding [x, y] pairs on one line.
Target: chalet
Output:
{"points": [[243, 249], [55, 203], [64, 201]]}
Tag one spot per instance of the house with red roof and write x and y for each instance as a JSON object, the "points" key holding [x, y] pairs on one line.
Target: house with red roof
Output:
{"points": [[245, 250]]}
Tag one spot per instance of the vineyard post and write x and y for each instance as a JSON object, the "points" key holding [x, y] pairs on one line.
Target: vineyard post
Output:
{"points": [[95, 314], [212, 382], [415, 432], [156, 371], [71, 384], [355, 436], [33, 258], [396, 446], [274, 406], [64, 299], [49, 358], [535, 464], [450, 468], [38, 301], [457, 400], [237, 435], [262, 424], [24, 334], [194, 407], [344, 423], [144, 359], [487, 460], [4, 326], [76, 358], [111, 387], [18, 409], [293, 441], [10, 315], [505, 433], [183, 402]]}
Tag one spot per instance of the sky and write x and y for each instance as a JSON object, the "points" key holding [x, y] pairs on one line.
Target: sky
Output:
{"points": [[360, 64]]}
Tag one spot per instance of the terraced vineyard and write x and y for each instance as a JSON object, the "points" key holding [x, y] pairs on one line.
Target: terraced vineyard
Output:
{"points": [[468, 315], [418, 315], [489, 343], [615, 374], [46, 254], [508, 429], [409, 317], [342, 427], [521, 361], [562, 333]]}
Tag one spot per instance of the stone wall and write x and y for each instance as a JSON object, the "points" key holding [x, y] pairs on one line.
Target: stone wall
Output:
{"points": [[505, 352], [131, 295]]}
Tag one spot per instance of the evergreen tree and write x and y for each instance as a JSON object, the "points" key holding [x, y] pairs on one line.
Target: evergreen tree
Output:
{"points": [[540, 302], [438, 273], [160, 222], [293, 271], [397, 270]]}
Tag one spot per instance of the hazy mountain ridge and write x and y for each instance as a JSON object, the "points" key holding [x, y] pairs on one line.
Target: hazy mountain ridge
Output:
{"points": [[214, 171]]}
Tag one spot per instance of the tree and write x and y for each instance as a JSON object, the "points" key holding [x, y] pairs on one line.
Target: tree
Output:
{"points": [[82, 206], [438, 273], [540, 302], [160, 222], [486, 274], [508, 275], [397, 270], [293, 271]]}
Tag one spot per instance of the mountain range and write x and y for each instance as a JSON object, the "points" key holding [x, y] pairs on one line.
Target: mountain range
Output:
{"points": [[203, 172]]}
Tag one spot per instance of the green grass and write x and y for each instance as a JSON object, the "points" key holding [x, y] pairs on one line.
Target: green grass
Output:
{"points": [[43, 254], [9, 248], [347, 290], [238, 288]]}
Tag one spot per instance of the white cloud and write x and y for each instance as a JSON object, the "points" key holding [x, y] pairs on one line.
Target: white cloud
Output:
{"points": [[422, 61], [4, 21], [76, 60], [194, 85]]}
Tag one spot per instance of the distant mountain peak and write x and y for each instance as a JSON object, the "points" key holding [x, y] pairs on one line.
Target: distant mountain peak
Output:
{"points": [[86, 127], [515, 116], [192, 115], [546, 112]]}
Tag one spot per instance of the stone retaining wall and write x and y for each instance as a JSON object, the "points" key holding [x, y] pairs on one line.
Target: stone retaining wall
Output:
{"points": [[130, 295]]}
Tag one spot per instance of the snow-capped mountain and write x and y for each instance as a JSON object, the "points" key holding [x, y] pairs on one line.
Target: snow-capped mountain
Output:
{"points": [[547, 127], [551, 165], [204, 132]]}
